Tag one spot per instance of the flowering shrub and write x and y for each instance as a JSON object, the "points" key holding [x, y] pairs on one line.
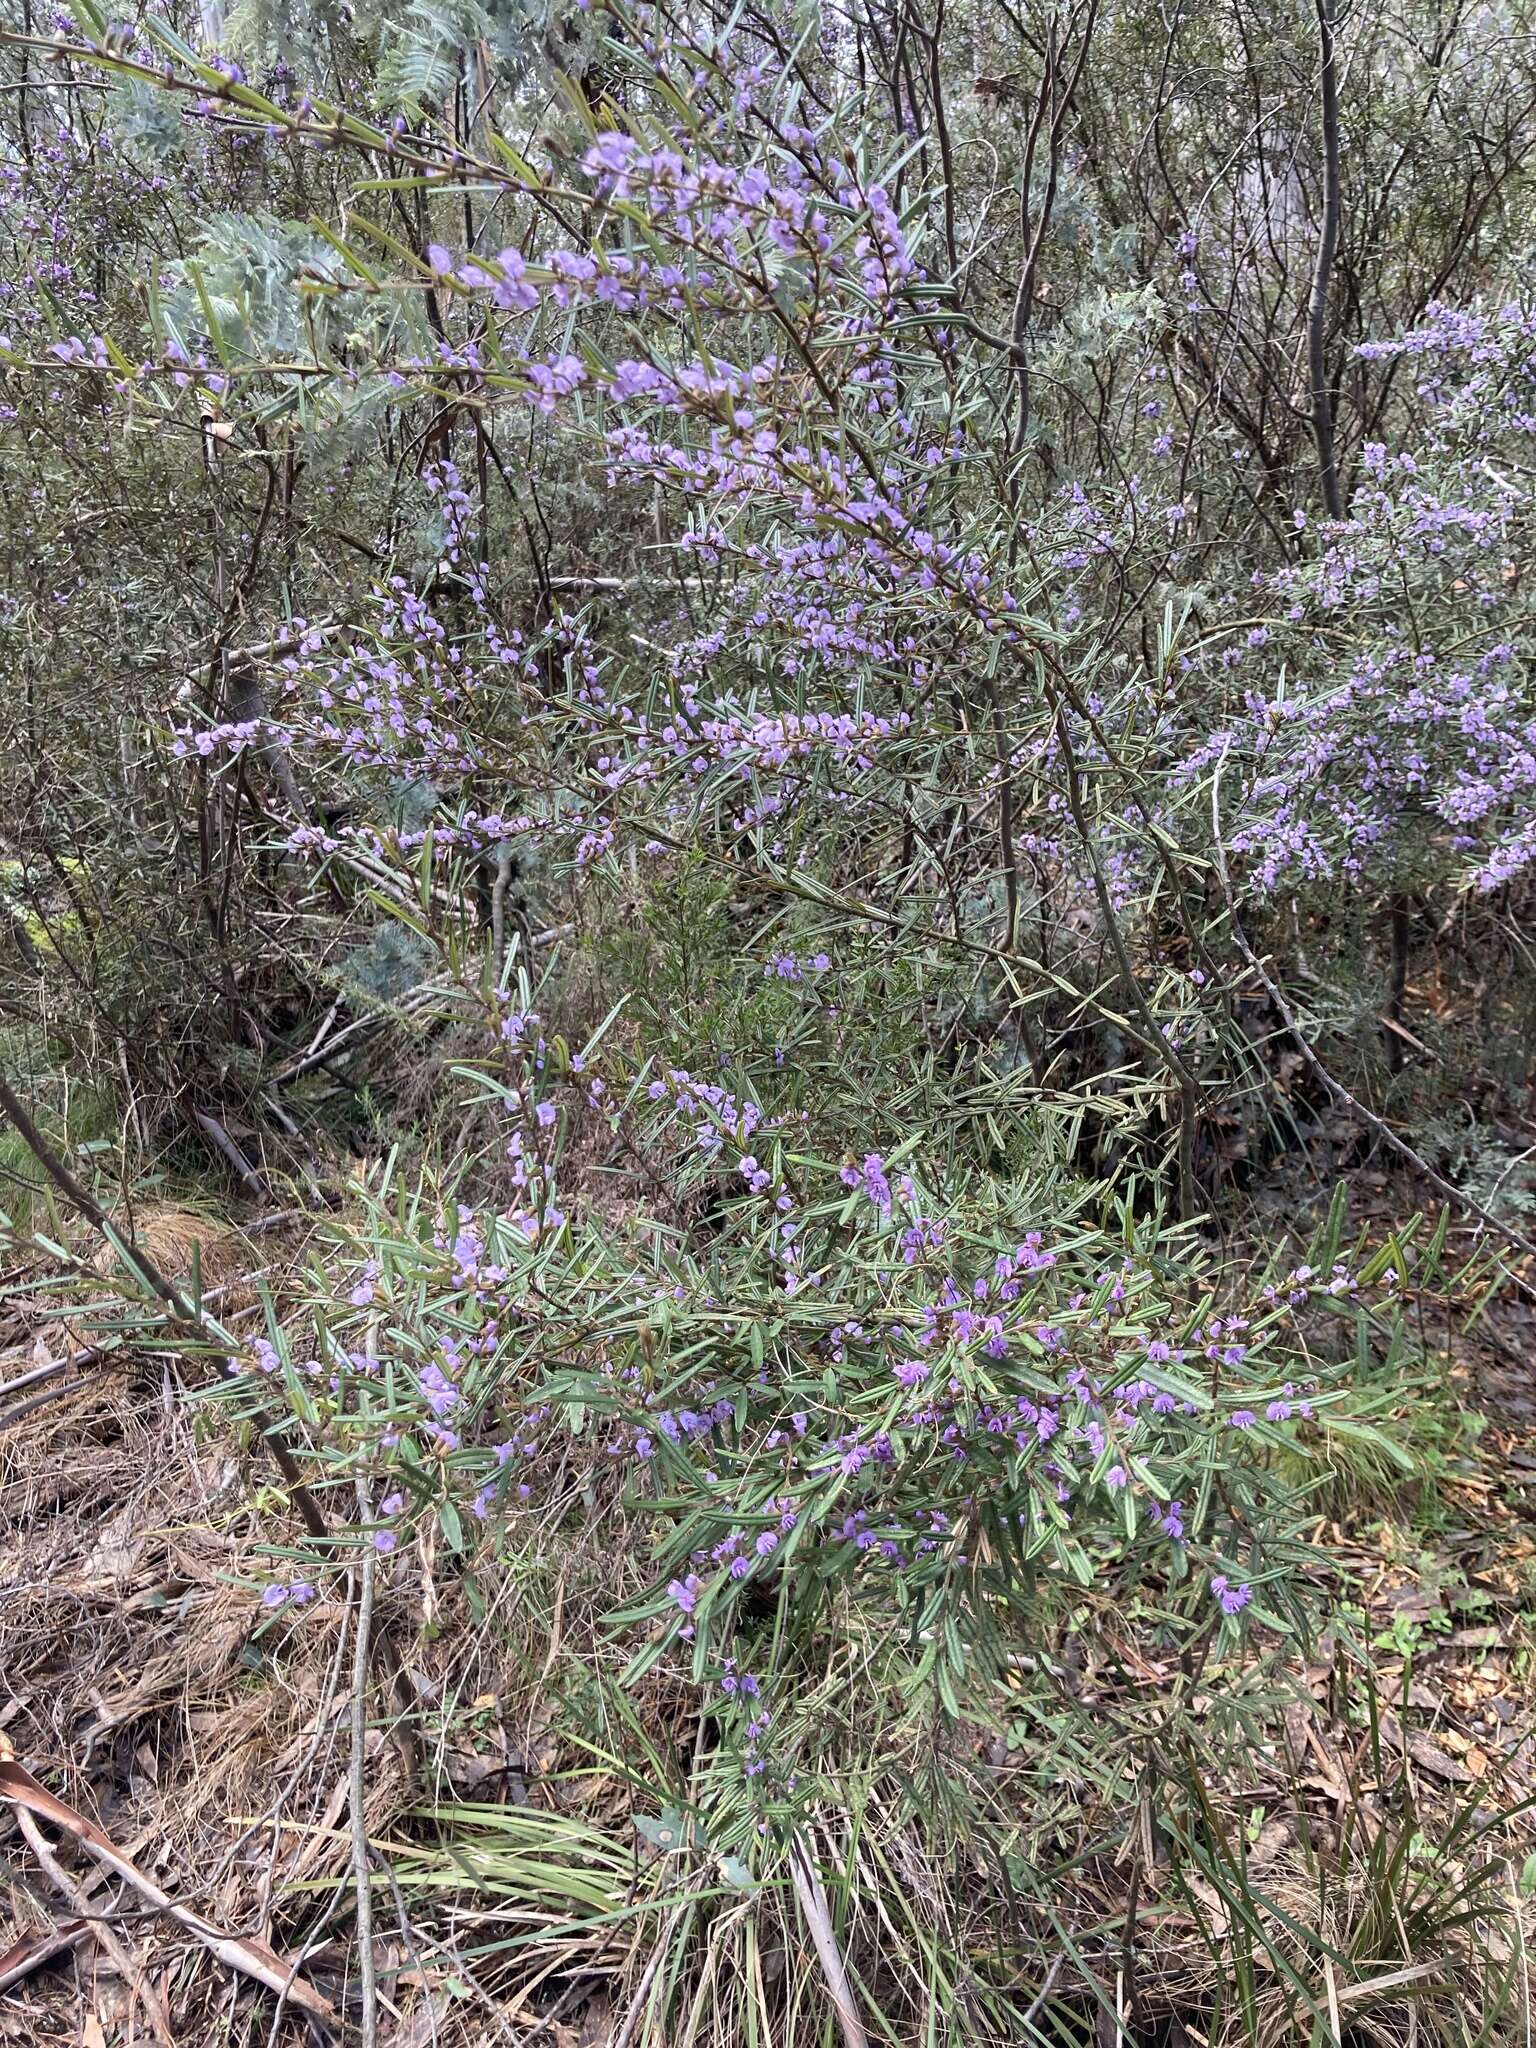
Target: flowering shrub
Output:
{"points": [[877, 1380], [879, 718], [1397, 740]]}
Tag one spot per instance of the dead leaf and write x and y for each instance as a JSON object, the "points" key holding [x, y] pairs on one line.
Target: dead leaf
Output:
{"points": [[314, 1842], [1436, 1762], [30, 1954], [1276, 1834], [1218, 1920], [116, 1551]]}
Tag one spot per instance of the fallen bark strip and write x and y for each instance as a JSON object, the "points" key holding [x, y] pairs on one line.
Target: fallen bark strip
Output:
{"points": [[251, 1958]]}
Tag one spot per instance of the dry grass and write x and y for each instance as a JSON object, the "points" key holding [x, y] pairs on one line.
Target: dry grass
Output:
{"points": [[179, 1239], [145, 1685]]}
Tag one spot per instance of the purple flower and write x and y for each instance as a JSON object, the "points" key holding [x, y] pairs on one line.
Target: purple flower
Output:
{"points": [[871, 1178], [296, 1592], [610, 153], [441, 1393], [685, 1592]]}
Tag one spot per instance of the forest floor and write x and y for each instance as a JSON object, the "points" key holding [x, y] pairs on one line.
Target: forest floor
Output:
{"points": [[210, 1747]]}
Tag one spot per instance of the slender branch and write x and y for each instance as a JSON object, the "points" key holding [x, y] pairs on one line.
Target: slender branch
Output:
{"points": [[361, 1870], [14, 1110], [1327, 246], [1059, 99], [1186, 1082], [144, 1268]]}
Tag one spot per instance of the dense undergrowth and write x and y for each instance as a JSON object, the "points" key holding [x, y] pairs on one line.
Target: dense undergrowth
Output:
{"points": [[806, 739]]}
